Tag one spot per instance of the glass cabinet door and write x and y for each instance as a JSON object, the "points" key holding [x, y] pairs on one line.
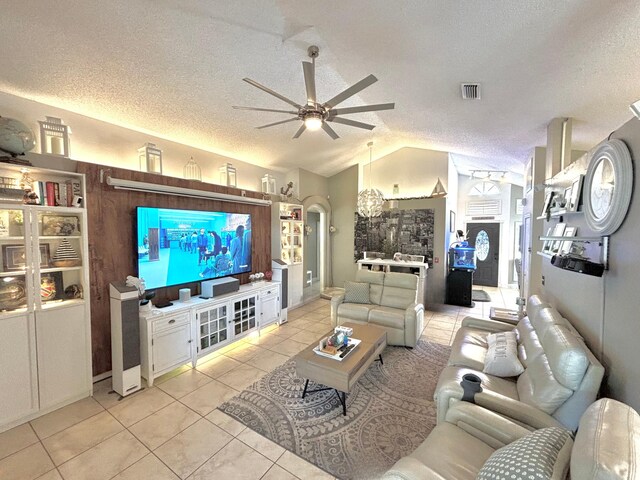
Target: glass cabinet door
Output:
{"points": [[213, 324], [244, 315], [16, 257], [60, 250]]}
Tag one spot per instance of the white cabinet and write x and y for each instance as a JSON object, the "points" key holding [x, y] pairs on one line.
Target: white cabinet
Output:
{"points": [[18, 373], [287, 241], [182, 333], [165, 343], [45, 339], [269, 306]]}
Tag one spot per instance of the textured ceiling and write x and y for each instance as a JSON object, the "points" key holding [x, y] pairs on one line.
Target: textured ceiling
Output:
{"points": [[175, 67]]}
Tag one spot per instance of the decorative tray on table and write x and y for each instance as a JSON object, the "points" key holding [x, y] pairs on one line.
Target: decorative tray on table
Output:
{"points": [[340, 353]]}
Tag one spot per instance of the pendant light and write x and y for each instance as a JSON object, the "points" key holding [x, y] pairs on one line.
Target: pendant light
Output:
{"points": [[370, 200]]}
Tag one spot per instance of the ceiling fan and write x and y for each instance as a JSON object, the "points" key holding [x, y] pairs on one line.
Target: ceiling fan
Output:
{"points": [[315, 115]]}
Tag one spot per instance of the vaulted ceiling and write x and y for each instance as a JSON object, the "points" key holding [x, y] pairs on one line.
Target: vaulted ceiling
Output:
{"points": [[175, 67]]}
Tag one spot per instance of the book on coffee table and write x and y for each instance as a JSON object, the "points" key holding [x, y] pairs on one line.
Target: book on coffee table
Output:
{"points": [[352, 341]]}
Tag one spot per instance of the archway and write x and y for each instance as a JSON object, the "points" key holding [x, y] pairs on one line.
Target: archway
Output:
{"points": [[317, 260]]}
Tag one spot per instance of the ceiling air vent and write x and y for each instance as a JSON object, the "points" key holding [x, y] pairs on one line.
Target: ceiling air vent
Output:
{"points": [[470, 91]]}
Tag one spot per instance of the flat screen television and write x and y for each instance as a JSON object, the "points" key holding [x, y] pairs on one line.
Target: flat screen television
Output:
{"points": [[182, 246]]}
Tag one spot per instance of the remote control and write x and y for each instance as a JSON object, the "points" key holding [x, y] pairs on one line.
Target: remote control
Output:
{"points": [[346, 350]]}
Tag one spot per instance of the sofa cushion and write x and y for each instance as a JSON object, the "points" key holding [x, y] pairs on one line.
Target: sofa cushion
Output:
{"points": [[453, 453], [501, 359], [606, 445], [543, 454], [354, 311], [534, 304], [528, 343], [399, 290], [356, 292], [387, 316], [375, 281], [538, 387], [469, 348], [566, 355]]}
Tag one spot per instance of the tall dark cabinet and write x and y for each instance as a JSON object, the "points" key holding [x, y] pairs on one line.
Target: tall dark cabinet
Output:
{"points": [[459, 287]]}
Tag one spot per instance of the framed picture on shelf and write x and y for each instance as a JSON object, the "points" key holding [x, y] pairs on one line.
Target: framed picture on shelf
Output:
{"points": [[14, 257], [60, 225], [567, 197], [546, 246], [51, 286], [573, 202], [547, 203], [566, 245], [558, 231]]}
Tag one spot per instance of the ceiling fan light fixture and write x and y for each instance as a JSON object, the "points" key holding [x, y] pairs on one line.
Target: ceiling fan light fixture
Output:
{"points": [[313, 121]]}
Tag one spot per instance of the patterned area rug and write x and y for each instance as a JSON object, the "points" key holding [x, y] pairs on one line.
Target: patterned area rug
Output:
{"points": [[389, 412]]}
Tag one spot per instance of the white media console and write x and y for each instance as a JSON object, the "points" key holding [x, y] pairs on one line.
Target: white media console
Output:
{"points": [[173, 336]]}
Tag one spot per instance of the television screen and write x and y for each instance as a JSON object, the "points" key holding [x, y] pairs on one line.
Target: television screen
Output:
{"points": [[181, 246]]}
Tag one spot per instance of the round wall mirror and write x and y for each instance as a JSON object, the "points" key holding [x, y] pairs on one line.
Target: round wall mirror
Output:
{"points": [[607, 187]]}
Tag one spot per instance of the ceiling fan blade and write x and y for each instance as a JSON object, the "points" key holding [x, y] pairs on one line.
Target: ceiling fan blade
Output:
{"points": [[363, 108], [351, 123], [266, 110], [330, 131], [277, 123], [302, 128], [351, 91], [271, 92], [310, 82]]}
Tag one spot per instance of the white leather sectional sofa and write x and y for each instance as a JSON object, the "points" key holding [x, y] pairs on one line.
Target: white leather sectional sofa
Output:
{"points": [[561, 377], [464, 446]]}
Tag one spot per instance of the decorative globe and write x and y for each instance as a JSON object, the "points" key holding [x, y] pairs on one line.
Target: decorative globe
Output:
{"points": [[370, 202], [15, 137]]}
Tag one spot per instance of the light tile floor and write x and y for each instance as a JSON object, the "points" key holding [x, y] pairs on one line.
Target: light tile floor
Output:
{"points": [[173, 429]]}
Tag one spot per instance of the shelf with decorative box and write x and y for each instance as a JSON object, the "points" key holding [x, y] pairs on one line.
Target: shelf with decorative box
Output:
{"points": [[45, 337], [186, 331]]}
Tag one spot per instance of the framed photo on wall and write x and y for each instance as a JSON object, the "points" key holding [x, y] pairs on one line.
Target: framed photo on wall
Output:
{"points": [[452, 221], [529, 173]]}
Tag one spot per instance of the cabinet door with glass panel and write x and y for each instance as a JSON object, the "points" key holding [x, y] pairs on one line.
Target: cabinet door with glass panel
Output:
{"points": [[244, 315], [62, 252], [15, 268], [213, 327]]}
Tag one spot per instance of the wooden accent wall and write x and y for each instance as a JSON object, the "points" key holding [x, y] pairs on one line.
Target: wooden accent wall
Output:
{"points": [[113, 243]]}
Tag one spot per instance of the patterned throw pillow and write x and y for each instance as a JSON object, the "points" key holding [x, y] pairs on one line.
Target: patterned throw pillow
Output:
{"points": [[534, 456], [501, 359], [356, 292]]}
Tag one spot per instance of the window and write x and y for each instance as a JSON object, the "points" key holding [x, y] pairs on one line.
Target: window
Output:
{"points": [[484, 188], [482, 245]]}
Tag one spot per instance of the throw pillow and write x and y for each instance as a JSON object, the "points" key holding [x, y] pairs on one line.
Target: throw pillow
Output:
{"points": [[356, 292], [536, 455], [501, 359]]}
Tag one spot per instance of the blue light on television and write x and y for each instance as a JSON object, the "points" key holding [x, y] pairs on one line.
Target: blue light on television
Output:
{"points": [[182, 246]]}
